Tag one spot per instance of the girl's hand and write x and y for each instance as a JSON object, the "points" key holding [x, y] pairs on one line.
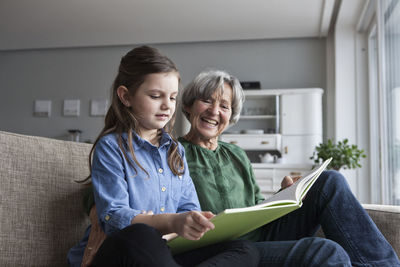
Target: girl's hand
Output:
{"points": [[193, 225]]}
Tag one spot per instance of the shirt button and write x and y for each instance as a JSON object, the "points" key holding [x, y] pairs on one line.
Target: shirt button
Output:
{"points": [[162, 209], [163, 189], [160, 170], [180, 177], [107, 217]]}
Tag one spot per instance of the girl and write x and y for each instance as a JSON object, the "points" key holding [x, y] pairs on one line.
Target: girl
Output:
{"points": [[141, 182]]}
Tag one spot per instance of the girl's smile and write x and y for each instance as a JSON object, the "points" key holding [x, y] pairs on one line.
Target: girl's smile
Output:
{"points": [[162, 116]]}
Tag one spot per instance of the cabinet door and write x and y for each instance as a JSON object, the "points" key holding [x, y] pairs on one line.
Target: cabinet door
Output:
{"points": [[299, 149], [301, 114], [259, 111]]}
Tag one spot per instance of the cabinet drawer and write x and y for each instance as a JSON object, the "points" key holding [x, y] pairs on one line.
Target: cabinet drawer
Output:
{"points": [[254, 142], [263, 173], [265, 180], [266, 185]]}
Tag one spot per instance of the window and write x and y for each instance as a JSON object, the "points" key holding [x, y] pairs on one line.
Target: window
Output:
{"points": [[384, 82]]}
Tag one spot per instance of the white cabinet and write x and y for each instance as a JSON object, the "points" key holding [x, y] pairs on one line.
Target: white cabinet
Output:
{"points": [[290, 122], [302, 113]]}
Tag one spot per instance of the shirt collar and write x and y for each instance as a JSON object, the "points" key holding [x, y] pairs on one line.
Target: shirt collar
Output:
{"points": [[139, 143], [198, 147]]}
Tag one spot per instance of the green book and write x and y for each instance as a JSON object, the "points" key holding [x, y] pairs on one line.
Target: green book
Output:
{"points": [[233, 223]]}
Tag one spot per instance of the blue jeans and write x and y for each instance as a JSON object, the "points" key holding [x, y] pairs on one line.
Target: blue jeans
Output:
{"points": [[352, 237]]}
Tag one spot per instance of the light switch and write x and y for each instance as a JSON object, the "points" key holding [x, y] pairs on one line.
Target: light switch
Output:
{"points": [[42, 108], [72, 107], [98, 107]]}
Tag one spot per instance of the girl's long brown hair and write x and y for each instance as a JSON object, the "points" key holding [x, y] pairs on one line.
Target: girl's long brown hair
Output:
{"points": [[132, 72]]}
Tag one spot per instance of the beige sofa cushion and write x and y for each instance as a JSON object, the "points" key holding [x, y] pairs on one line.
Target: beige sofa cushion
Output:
{"points": [[40, 204]]}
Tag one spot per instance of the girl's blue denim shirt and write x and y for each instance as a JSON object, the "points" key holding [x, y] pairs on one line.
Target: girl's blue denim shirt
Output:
{"points": [[121, 192]]}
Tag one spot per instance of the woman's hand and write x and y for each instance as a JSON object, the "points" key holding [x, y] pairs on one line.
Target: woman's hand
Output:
{"points": [[193, 225], [288, 181]]}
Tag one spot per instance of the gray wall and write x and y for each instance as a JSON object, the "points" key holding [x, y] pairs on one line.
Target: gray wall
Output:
{"points": [[87, 73]]}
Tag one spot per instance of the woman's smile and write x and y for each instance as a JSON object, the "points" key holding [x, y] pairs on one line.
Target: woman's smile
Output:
{"points": [[210, 117], [210, 122]]}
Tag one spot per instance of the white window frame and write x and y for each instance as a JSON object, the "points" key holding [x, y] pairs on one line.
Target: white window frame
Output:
{"points": [[374, 128]]}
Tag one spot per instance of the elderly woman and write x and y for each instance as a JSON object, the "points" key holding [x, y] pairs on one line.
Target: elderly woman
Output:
{"points": [[224, 179]]}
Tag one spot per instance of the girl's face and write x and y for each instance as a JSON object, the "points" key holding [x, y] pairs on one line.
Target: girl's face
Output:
{"points": [[154, 102], [210, 117]]}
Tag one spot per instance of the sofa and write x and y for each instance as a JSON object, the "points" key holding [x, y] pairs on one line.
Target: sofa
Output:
{"points": [[41, 204]]}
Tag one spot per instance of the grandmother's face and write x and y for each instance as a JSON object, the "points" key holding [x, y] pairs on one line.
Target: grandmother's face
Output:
{"points": [[210, 117]]}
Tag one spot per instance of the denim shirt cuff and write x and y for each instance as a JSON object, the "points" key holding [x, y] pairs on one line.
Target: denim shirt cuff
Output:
{"points": [[119, 220]]}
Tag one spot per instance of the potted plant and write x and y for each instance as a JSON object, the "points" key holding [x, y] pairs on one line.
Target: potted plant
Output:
{"points": [[343, 154]]}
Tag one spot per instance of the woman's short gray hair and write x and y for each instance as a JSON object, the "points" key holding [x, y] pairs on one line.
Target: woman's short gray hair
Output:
{"points": [[206, 84]]}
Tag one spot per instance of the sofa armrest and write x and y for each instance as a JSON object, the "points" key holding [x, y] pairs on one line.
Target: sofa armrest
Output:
{"points": [[387, 218]]}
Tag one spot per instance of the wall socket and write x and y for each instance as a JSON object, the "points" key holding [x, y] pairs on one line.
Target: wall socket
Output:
{"points": [[42, 108], [72, 107], [98, 107]]}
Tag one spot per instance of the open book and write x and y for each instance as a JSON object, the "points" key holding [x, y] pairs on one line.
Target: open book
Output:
{"points": [[233, 223]]}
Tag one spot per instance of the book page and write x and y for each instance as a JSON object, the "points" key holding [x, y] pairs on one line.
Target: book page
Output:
{"points": [[296, 190], [312, 180]]}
